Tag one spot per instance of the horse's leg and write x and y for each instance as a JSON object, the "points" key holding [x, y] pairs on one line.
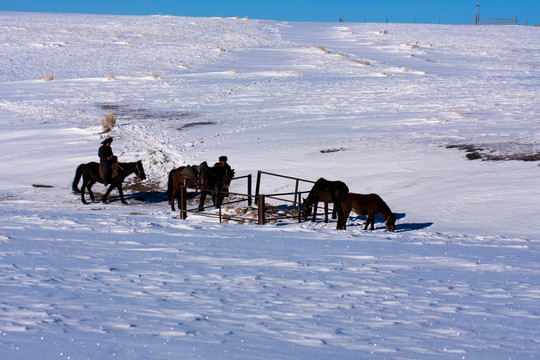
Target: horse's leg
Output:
{"points": [[89, 187], [121, 192], [217, 199], [315, 206], [174, 195], [104, 200], [84, 184], [325, 212], [178, 199], [369, 220], [201, 201], [373, 221], [335, 208], [339, 220], [342, 219]]}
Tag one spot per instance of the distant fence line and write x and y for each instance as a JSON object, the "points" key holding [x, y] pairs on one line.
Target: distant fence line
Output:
{"points": [[507, 21], [477, 20]]}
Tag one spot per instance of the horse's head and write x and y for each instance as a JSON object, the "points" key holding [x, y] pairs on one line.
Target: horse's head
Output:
{"points": [[139, 170], [227, 178], [390, 222], [307, 207]]}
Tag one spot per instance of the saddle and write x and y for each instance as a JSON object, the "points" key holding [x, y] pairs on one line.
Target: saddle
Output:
{"points": [[190, 173], [114, 170]]}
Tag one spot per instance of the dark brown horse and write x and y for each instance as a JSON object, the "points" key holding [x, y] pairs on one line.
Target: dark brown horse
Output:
{"points": [[187, 176], [90, 174], [370, 205], [214, 181], [327, 192]]}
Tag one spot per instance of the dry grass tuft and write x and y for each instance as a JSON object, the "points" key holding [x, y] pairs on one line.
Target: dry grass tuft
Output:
{"points": [[47, 77], [323, 49], [111, 77], [156, 75], [108, 122]]}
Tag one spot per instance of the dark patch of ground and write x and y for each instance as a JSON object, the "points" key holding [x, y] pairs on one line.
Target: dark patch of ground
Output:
{"points": [[129, 112], [326, 151], [193, 124], [499, 151], [42, 186]]}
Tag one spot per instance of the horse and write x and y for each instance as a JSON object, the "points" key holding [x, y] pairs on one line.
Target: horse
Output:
{"points": [[90, 174], [214, 181], [183, 176], [327, 192], [370, 205]]}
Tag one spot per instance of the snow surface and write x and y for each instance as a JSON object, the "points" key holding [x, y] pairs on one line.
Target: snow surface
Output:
{"points": [[373, 105]]}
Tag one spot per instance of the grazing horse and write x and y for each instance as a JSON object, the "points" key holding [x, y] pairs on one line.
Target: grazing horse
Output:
{"points": [[214, 181], [327, 192], [187, 176], [369, 205], [90, 174]]}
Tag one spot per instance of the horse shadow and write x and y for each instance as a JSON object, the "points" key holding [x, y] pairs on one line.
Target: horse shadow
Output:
{"points": [[412, 226], [402, 227], [149, 197]]}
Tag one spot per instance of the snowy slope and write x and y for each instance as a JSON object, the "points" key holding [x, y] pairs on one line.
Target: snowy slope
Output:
{"points": [[373, 105]]}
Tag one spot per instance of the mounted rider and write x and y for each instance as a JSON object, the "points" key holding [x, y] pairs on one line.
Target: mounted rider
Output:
{"points": [[106, 159]]}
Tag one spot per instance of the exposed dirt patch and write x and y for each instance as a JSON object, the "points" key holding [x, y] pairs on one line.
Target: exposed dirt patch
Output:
{"points": [[193, 124], [499, 151], [326, 151], [129, 112], [140, 186], [42, 186]]}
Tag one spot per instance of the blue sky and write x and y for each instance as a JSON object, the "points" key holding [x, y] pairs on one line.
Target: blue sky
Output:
{"points": [[420, 11]]}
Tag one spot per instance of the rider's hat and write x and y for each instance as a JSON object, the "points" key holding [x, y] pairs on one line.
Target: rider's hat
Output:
{"points": [[222, 158], [107, 140]]}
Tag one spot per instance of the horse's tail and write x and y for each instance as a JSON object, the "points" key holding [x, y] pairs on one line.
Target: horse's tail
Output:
{"points": [[339, 190], [78, 174], [170, 186]]}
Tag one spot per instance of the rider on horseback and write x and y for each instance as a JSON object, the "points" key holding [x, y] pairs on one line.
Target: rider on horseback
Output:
{"points": [[106, 158]]}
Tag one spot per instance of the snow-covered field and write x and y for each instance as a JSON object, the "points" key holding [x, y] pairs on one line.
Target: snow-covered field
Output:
{"points": [[373, 105]]}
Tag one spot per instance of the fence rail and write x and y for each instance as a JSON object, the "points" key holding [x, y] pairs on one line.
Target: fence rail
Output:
{"points": [[262, 209]]}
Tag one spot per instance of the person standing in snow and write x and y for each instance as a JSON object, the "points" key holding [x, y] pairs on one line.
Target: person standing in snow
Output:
{"points": [[223, 163], [106, 158], [227, 173]]}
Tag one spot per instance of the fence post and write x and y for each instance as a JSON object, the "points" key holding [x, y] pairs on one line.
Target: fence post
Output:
{"points": [[261, 210], [219, 200], [249, 190], [257, 186], [183, 202], [300, 204], [296, 194]]}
